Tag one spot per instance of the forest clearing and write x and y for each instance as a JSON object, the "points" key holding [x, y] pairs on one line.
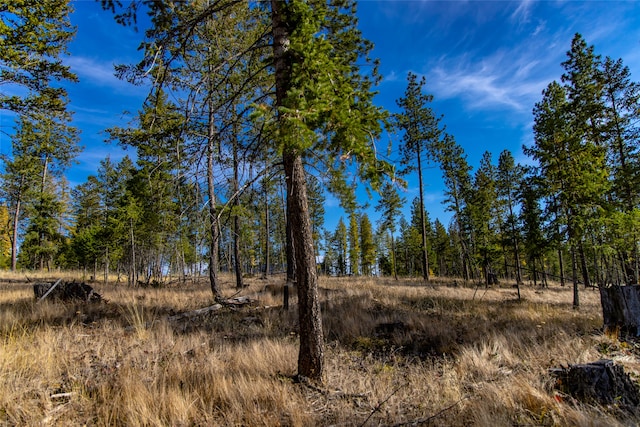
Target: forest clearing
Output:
{"points": [[398, 352]]}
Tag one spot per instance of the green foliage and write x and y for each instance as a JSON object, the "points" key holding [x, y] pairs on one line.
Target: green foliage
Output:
{"points": [[482, 208], [420, 127], [340, 242], [5, 238], [586, 148], [354, 245], [389, 206], [367, 245], [33, 35]]}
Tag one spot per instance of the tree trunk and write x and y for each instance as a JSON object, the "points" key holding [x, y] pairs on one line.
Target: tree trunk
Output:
{"points": [[14, 237], [133, 266], [574, 277], [621, 309], [561, 266], [393, 257], [236, 218], [267, 257], [290, 244], [213, 213], [311, 352], [583, 265], [425, 254]]}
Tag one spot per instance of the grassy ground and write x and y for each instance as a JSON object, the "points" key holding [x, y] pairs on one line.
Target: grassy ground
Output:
{"points": [[397, 353]]}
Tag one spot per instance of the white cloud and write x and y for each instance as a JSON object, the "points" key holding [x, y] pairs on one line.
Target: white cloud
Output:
{"points": [[392, 77], [100, 73], [498, 81], [522, 13]]}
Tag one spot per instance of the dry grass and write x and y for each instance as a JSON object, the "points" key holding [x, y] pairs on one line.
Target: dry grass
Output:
{"points": [[398, 353]]}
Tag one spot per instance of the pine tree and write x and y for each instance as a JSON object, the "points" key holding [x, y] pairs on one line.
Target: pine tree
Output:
{"points": [[367, 246], [421, 134], [442, 249], [323, 109], [509, 180], [482, 207], [389, 207], [33, 35], [354, 245], [457, 181], [5, 238], [340, 241]]}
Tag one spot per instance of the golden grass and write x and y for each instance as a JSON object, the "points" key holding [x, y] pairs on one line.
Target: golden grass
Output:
{"points": [[397, 353]]}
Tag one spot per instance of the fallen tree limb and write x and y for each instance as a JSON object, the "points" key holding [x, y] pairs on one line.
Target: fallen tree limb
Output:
{"points": [[233, 303], [195, 313], [423, 421], [50, 290]]}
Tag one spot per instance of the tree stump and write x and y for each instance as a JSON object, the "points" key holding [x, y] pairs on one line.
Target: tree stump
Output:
{"points": [[66, 291], [621, 308], [600, 382]]}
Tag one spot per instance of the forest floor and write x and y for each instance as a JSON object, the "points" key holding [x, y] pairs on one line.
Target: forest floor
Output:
{"points": [[397, 353]]}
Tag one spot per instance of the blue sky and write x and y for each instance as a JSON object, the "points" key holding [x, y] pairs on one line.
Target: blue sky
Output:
{"points": [[485, 62]]}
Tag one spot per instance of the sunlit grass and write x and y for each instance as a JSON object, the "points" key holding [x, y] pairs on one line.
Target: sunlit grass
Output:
{"points": [[396, 352]]}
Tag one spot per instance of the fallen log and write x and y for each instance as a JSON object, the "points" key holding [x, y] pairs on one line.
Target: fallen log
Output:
{"points": [[195, 313], [232, 303]]}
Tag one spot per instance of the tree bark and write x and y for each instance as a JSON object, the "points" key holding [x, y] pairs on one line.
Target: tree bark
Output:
{"points": [[583, 265], [267, 257], [621, 309], [213, 213], [311, 352], [16, 222], [236, 218], [574, 277], [425, 254]]}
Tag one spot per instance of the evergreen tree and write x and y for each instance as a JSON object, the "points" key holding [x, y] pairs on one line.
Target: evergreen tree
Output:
{"points": [[5, 238], [87, 209], [509, 180], [323, 111], [33, 35], [354, 245], [340, 241], [482, 210], [389, 207], [421, 133], [367, 246], [442, 248], [457, 181]]}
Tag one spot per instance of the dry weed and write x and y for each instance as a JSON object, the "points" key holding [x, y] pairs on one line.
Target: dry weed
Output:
{"points": [[398, 353]]}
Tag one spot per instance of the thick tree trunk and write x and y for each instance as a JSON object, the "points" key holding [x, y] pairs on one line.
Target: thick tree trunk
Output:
{"points": [[621, 309], [311, 354], [290, 247]]}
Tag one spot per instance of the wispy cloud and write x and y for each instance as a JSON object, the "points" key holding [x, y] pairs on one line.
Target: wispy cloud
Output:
{"points": [[100, 73], [501, 80], [522, 13]]}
